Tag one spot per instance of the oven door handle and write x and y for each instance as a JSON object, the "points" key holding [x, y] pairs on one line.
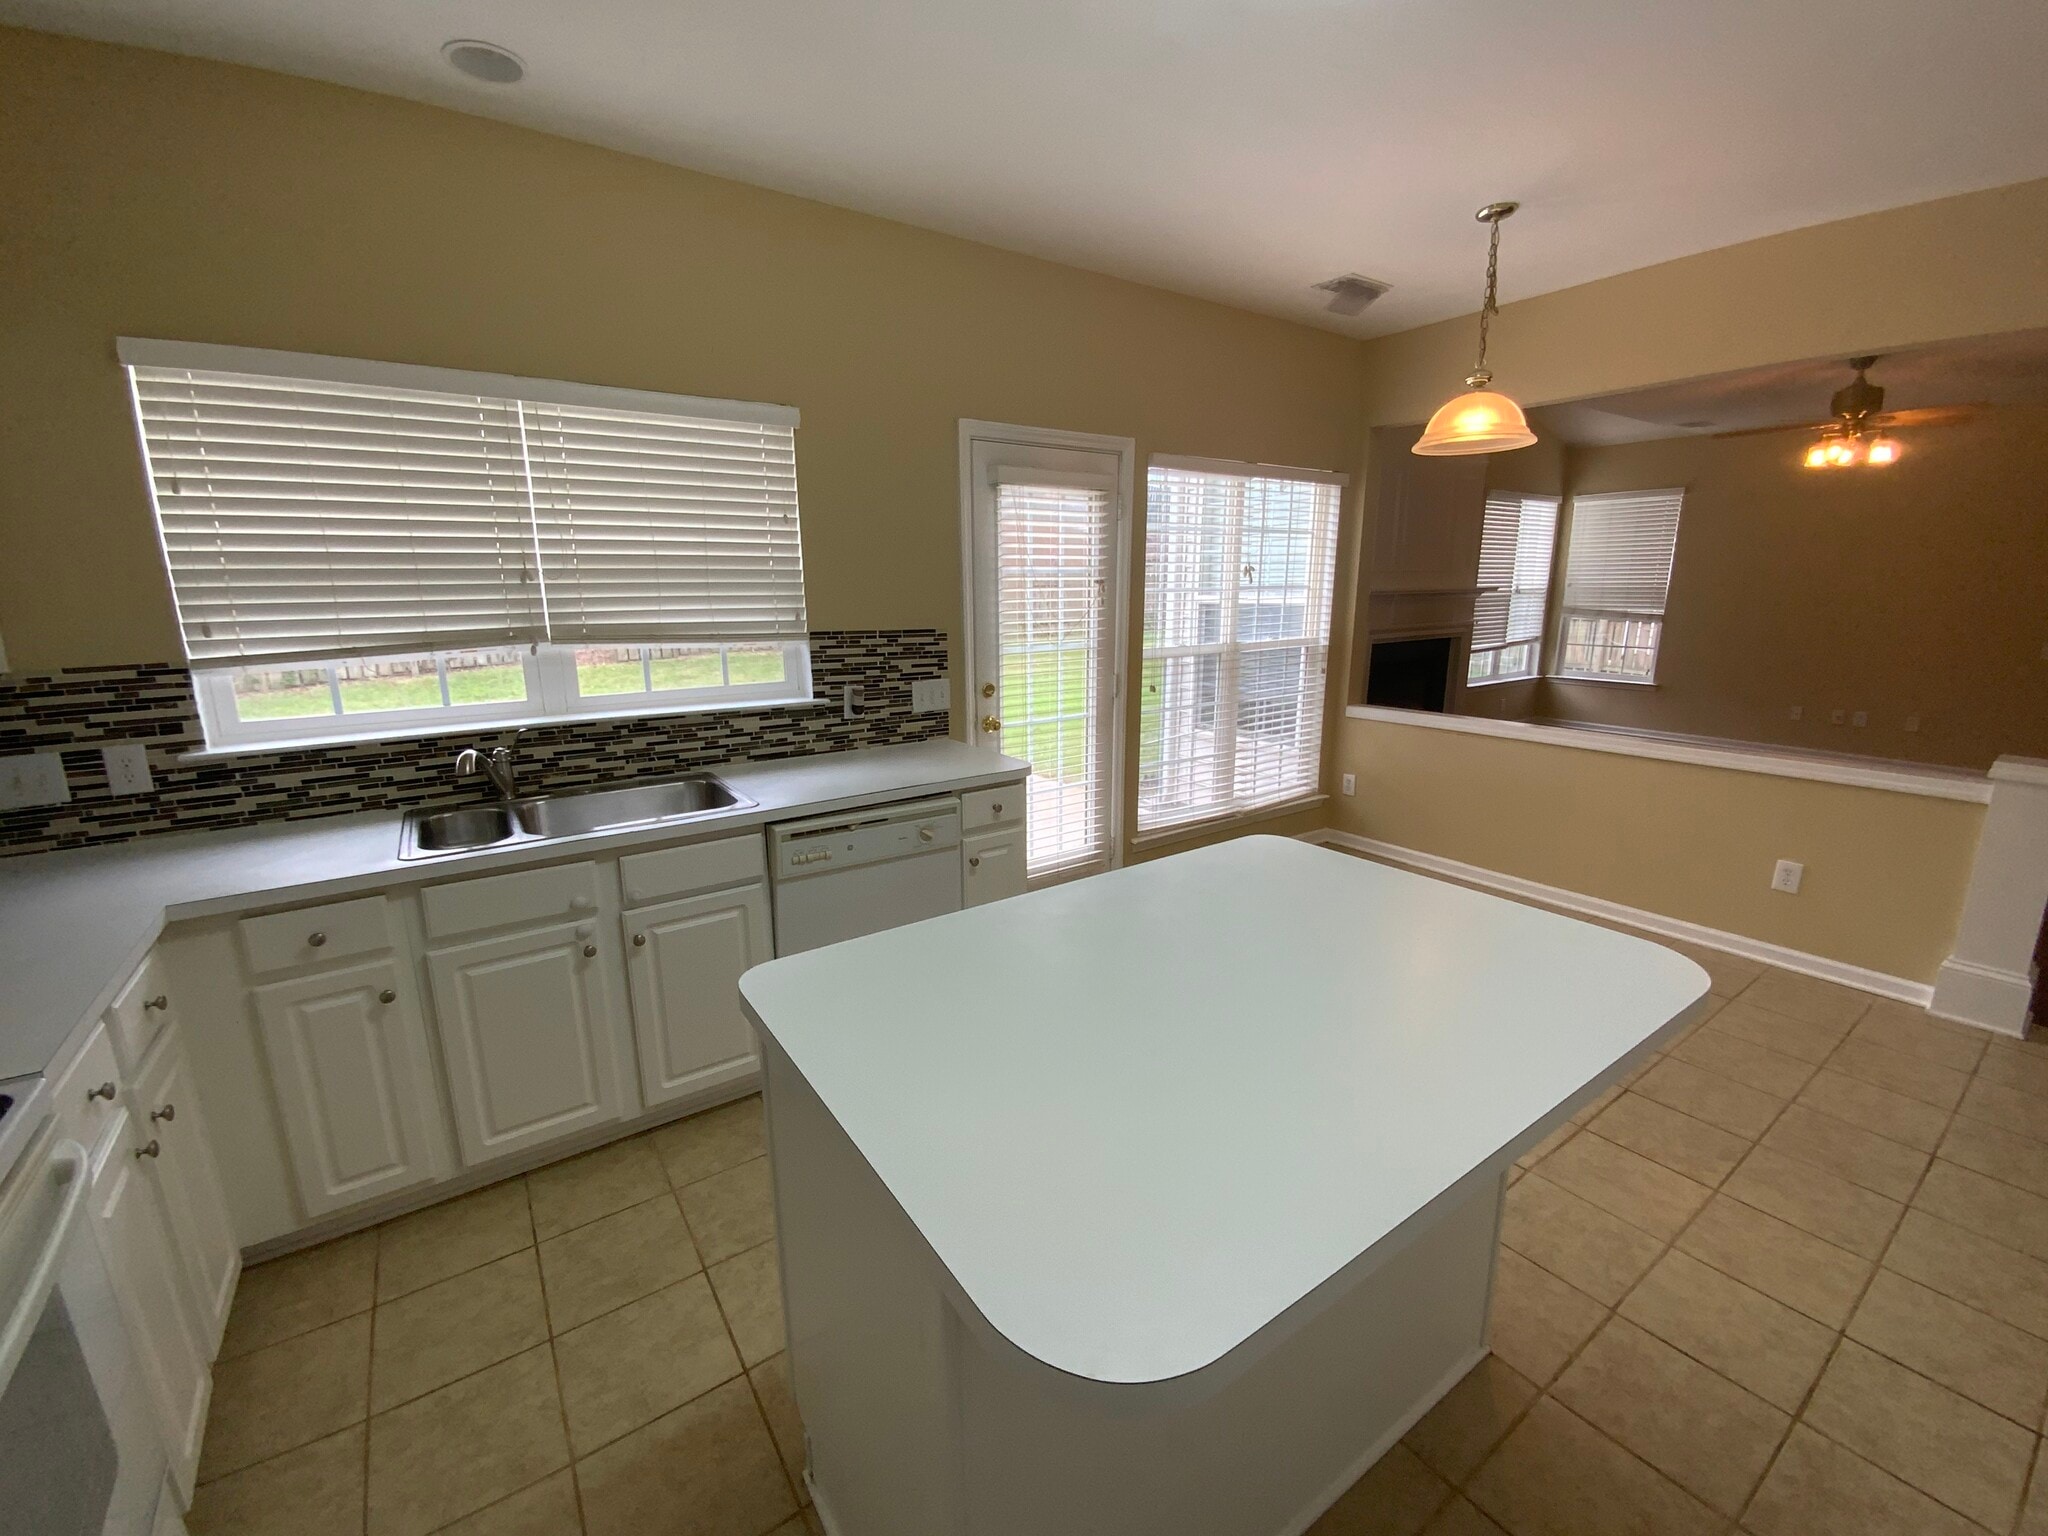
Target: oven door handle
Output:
{"points": [[68, 1163]]}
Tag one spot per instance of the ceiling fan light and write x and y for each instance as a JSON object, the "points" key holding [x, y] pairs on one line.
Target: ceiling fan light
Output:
{"points": [[1883, 450], [1478, 421], [1817, 456]]}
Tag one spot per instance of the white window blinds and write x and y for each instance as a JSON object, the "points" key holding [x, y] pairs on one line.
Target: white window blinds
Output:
{"points": [[316, 508], [1618, 553], [1239, 565], [1515, 548]]}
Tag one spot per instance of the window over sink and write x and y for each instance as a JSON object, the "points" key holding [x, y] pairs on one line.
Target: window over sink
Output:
{"points": [[365, 549]]}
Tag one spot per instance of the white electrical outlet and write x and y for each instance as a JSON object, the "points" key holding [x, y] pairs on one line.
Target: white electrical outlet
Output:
{"points": [[1350, 783], [1786, 877], [931, 695], [1861, 717], [127, 764], [33, 778]]}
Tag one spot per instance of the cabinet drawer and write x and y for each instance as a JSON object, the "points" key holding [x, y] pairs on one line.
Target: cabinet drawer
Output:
{"points": [[85, 1109], [991, 866], [498, 901], [337, 931], [694, 867], [996, 807], [139, 1013]]}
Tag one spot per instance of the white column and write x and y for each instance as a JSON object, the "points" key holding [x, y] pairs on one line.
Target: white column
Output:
{"points": [[1989, 978]]}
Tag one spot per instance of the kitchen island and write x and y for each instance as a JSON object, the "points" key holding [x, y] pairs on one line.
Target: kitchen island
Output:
{"points": [[1165, 1201]]}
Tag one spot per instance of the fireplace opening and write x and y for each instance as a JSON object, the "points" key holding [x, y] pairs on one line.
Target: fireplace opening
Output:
{"points": [[1410, 674]]}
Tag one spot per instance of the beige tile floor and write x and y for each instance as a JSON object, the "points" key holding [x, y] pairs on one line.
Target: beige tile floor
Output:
{"points": [[595, 1347], [1792, 1281]]}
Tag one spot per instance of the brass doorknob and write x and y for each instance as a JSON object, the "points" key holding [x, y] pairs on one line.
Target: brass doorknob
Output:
{"points": [[991, 724], [988, 690]]}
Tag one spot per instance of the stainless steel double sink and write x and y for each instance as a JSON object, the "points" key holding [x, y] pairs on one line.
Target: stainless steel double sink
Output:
{"points": [[539, 818]]}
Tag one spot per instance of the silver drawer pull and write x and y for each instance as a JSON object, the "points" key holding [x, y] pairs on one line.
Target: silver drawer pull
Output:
{"points": [[168, 1112], [154, 1149], [159, 1001], [316, 939], [388, 995], [639, 941], [104, 1091], [590, 951]]}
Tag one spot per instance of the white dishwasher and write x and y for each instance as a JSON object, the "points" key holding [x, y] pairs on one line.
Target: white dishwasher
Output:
{"points": [[838, 877]]}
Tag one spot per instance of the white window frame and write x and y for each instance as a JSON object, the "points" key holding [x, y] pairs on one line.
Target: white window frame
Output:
{"points": [[1517, 586], [1567, 611], [1314, 651], [552, 698]]}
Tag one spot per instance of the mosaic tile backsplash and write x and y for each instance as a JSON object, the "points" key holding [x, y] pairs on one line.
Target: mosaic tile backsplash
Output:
{"points": [[79, 710]]}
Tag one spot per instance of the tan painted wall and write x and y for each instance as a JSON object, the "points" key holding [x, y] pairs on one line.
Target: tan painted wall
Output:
{"points": [[1695, 843], [1915, 590], [146, 194]]}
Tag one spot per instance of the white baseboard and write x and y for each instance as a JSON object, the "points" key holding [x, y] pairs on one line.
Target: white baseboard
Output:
{"points": [[1918, 993], [1984, 996]]}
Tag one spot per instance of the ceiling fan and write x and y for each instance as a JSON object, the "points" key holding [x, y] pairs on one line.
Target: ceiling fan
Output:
{"points": [[1856, 431]]}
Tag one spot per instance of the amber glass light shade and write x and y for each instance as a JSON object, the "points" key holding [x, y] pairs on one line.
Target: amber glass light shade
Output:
{"points": [[1479, 421]]}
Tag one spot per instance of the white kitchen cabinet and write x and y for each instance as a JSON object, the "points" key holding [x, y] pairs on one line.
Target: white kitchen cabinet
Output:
{"points": [[531, 1034], [168, 1113], [355, 1083], [992, 865], [135, 1233], [684, 960]]}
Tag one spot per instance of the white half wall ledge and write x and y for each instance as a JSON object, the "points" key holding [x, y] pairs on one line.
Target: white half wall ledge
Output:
{"points": [[1901, 988], [1988, 979], [1935, 783]]}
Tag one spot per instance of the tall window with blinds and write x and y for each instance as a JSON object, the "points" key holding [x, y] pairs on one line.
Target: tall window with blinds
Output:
{"points": [[1239, 566], [1516, 545], [359, 548], [1052, 560], [1617, 572]]}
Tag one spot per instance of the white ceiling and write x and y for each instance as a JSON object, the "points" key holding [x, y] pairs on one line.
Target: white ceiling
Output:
{"points": [[2006, 369], [1241, 150]]}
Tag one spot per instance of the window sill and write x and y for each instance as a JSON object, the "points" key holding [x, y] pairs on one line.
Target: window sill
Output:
{"points": [[1603, 682], [1495, 682], [493, 726], [1186, 829]]}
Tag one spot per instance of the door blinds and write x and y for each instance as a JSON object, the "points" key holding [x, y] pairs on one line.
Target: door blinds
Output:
{"points": [[1618, 554], [1515, 547], [308, 518]]}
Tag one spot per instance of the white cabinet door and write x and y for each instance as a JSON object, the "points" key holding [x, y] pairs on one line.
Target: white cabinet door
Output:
{"points": [[189, 1183], [135, 1236], [355, 1083], [991, 866], [531, 1035], [684, 960]]}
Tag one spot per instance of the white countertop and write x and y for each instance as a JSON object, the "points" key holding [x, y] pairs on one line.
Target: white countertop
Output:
{"points": [[1141, 1115], [74, 924]]}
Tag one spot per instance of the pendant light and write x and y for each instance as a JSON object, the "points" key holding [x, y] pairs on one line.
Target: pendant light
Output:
{"points": [[1482, 420]]}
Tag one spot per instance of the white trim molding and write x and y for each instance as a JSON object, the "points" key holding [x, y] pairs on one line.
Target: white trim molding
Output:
{"points": [[1934, 783], [1988, 979], [1918, 993]]}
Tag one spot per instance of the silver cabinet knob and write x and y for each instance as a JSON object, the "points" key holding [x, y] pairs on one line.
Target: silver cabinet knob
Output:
{"points": [[104, 1091], [580, 903], [387, 996], [639, 941], [590, 951], [159, 1001], [996, 809], [167, 1113], [316, 939], [154, 1149], [974, 861]]}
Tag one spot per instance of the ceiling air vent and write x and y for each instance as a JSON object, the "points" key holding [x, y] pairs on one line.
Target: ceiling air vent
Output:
{"points": [[1351, 293]]}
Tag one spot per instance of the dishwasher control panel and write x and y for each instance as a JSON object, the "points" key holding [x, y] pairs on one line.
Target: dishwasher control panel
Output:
{"points": [[828, 843]]}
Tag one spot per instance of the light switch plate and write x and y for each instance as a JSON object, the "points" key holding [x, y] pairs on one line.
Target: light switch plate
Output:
{"points": [[1350, 783], [33, 778], [127, 765], [931, 695]]}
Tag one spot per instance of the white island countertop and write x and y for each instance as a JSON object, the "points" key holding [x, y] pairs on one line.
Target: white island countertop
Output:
{"points": [[74, 924], [1140, 1116]]}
